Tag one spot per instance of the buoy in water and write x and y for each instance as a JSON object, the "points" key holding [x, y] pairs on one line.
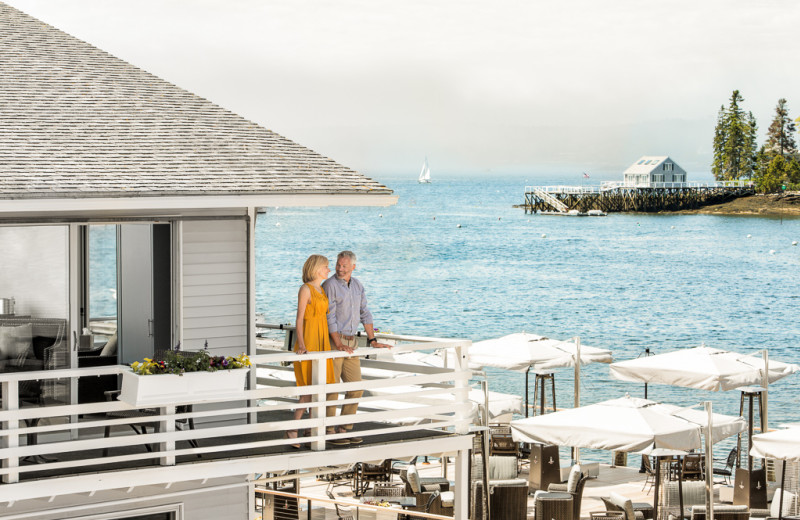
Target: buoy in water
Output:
{"points": [[458, 225], [772, 251], [672, 227], [749, 236], [794, 242], [277, 224], [544, 236], [380, 216]]}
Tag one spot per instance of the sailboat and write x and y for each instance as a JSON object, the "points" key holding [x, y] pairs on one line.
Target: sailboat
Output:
{"points": [[425, 173]]}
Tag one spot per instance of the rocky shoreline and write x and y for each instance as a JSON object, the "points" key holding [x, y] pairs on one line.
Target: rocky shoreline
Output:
{"points": [[773, 204]]}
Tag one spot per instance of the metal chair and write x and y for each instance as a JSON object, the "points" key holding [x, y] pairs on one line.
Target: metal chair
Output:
{"points": [[342, 512], [730, 462], [651, 474]]}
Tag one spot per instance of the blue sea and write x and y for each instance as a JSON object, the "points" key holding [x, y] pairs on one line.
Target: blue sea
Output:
{"points": [[455, 259]]}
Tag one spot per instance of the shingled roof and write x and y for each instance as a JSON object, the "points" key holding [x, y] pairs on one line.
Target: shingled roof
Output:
{"points": [[77, 122]]}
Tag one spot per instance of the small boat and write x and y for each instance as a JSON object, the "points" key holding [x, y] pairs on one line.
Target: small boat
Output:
{"points": [[596, 213], [425, 173]]}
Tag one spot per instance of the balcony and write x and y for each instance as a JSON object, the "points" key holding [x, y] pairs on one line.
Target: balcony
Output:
{"points": [[407, 410]]}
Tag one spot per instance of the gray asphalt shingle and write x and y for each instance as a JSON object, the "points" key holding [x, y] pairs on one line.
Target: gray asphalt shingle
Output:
{"points": [[78, 122]]}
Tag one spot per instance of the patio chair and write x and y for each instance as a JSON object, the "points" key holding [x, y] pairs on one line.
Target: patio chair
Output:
{"points": [[435, 501], [632, 510], [651, 474], [365, 474], [342, 512], [618, 503], [730, 462], [501, 442], [722, 512], [574, 486], [692, 467], [508, 494]]}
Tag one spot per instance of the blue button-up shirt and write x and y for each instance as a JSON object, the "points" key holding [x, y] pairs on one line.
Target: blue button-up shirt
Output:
{"points": [[347, 305]]}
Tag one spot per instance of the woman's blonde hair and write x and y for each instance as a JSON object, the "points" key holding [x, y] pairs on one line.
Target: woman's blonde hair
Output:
{"points": [[313, 263]]}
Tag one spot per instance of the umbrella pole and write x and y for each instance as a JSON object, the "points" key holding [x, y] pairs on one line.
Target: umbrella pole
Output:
{"points": [[709, 463], [657, 487], [783, 490], [527, 392], [576, 451], [765, 384]]}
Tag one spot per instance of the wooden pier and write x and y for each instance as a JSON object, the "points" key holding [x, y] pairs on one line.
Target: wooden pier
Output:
{"points": [[616, 196]]}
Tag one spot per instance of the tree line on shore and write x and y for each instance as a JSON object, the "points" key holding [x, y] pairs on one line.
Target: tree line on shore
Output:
{"points": [[773, 167]]}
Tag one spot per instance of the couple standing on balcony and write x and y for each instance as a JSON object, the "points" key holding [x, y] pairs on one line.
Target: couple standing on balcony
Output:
{"points": [[329, 311]]}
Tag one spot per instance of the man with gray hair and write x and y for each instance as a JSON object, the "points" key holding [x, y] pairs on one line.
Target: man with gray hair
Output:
{"points": [[347, 307]]}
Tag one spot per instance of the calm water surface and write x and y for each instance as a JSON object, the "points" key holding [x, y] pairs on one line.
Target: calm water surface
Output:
{"points": [[623, 282]]}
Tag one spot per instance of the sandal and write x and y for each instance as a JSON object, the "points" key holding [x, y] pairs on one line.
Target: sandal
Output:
{"points": [[291, 434]]}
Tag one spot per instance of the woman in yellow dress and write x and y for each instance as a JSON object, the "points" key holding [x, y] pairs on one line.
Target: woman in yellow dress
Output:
{"points": [[312, 327]]}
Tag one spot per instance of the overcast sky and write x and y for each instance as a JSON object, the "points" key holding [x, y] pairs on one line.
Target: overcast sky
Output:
{"points": [[503, 86]]}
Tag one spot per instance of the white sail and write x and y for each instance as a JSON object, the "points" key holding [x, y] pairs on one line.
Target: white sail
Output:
{"points": [[425, 173]]}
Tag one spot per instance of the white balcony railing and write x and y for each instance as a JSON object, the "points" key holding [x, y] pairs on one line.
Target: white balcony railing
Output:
{"points": [[38, 443]]}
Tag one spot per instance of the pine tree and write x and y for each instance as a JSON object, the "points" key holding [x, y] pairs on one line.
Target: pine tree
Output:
{"points": [[780, 135], [734, 142]]}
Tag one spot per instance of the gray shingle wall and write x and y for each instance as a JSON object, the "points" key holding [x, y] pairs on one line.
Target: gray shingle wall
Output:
{"points": [[78, 122]]}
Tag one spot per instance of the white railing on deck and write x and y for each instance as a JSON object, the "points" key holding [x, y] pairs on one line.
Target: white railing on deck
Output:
{"points": [[614, 185], [437, 394]]}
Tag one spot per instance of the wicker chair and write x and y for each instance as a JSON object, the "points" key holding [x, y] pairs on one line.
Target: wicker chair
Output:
{"points": [[508, 494], [574, 487], [632, 510], [722, 512], [429, 498], [501, 442]]}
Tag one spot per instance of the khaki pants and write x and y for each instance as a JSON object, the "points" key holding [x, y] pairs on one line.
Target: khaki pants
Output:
{"points": [[348, 370]]}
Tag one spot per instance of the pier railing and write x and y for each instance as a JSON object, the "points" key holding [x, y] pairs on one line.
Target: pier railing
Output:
{"points": [[230, 435], [632, 196]]}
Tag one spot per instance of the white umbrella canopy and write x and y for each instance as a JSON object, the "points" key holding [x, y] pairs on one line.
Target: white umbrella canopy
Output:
{"points": [[703, 368], [627, 424], [779, 444], [522, 350]]}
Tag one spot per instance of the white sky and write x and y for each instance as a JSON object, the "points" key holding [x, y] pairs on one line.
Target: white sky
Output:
{"points": [[505, 86]]}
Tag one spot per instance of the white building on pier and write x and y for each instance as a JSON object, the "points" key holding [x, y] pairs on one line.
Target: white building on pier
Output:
{"points": [[649, 171]]}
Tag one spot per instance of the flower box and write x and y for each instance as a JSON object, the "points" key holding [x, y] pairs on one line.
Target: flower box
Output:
{"points": [[161, 389]]}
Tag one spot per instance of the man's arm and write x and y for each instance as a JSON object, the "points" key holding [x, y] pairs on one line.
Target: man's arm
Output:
{"points": [[371, 335], [333, 327]]}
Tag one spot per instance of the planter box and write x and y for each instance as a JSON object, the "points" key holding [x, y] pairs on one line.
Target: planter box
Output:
{"points": [[161, 389]]}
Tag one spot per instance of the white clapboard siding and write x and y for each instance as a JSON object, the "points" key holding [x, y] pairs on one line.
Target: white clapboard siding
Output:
{"points": [[214, 292]]}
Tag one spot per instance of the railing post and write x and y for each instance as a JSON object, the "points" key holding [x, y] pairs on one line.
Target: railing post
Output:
{"points": [[167, 425], [462, 386], [11, 438], [319, 369]]}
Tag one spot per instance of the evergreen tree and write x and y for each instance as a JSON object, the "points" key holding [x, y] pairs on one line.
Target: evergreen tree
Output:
{"points": [[734, 142], [780, 135]]}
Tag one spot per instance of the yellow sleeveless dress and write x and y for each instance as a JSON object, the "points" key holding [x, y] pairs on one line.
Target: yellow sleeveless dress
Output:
{"points": [[315, 335]]}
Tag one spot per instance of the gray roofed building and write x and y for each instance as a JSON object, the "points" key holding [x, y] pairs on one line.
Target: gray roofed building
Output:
{"points": [[77, 122]]}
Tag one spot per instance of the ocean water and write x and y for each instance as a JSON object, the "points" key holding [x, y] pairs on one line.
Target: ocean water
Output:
{"points": [[624, 282]]}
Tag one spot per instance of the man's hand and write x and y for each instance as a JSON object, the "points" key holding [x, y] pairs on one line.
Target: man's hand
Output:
{"points": [[345, 348], [376, 344]]}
